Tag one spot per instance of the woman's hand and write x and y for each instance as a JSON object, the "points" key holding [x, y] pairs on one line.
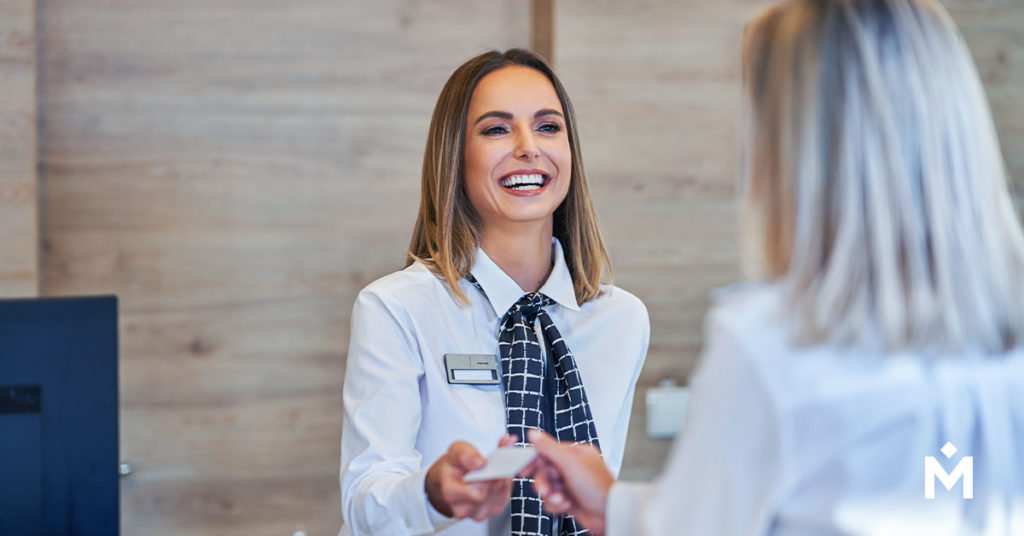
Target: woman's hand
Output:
{"points": [[452, 497], [571, 479]]}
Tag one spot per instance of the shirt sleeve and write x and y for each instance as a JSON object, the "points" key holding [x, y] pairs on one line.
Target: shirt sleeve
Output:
{"points": [[382, 473], [724, 471], [625, 501], [622, 419]]}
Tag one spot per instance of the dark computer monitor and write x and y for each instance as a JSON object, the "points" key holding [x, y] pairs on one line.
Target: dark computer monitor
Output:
{"points": [[58, 417]]}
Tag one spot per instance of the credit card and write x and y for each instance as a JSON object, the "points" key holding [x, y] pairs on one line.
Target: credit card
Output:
{"points": [[503, 463]]}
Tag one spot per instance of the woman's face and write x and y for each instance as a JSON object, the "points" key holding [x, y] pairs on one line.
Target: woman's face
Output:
{"points": [[517, 158]]}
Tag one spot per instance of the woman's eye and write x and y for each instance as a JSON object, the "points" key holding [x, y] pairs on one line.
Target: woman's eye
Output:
{"points": [[498, 129], [550, 127]]}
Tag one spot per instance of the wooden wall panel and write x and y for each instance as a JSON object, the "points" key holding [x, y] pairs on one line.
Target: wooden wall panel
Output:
{"points": [[236, 172], [542, 29], [19, 271], [656, 87]]}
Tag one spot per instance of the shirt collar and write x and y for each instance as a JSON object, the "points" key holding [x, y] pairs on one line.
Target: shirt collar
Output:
{"points": [[503, 292]]}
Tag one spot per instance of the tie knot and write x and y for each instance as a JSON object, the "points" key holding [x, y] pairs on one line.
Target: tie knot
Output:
{"points": [[530, 305]]}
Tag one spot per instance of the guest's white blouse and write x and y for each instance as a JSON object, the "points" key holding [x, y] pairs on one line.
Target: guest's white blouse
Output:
{"points": [[822, 440]]}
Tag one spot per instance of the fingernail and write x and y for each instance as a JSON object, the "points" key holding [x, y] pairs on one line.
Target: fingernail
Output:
{"points": [[533, 434]]}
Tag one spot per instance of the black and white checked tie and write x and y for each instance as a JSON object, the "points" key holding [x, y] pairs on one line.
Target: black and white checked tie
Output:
{"points": [[525, 378]]}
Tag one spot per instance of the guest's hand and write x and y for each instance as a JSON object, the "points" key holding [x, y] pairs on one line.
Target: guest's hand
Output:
{"points": [[571, 479], [449, 495]]}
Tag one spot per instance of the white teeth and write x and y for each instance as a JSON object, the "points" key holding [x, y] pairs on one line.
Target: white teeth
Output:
{"points": [[533, 181]]}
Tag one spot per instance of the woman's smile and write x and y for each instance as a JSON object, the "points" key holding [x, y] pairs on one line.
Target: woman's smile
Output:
{"points": [[525, 182]]}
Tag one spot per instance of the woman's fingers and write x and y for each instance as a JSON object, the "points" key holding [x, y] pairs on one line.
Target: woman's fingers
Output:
{"points": [[472, 501], [549, 486], [574, 478], [555, 479], [496, 492], [478, 500], [461, 496], [464, 457], [508, 440], [531, 468], [541, 484], [477, 509], [546, 474], [554, 458], [497, 496], [548, 447], [445, 488]]}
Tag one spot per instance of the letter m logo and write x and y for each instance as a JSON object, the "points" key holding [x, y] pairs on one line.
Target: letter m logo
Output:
{"points": [[933, 469]]}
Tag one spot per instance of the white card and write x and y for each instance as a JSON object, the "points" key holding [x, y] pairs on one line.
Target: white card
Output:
{"points": [[503, 463]]}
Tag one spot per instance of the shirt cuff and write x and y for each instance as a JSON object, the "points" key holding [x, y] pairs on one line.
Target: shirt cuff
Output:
{"points": [[626, 501], [437, 520], [417, 516]]}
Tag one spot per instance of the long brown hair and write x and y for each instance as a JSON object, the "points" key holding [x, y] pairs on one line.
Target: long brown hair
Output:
{"points": [[445, 236]]}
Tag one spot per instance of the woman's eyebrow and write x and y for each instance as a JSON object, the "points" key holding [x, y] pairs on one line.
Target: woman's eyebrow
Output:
{"points": [[508, 116], [502, 115]]}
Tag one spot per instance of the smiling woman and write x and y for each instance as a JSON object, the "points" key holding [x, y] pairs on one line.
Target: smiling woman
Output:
{"points": [[518, 164], [506, 266]]}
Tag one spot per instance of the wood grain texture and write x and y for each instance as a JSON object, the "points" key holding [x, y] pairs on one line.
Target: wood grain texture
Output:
{"points": [[19, 266], [235, 172], [656, 87], [542, 29]]}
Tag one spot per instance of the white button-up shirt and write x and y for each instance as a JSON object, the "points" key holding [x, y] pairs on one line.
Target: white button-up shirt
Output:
{"points": [[401, 414], [799, 440]]}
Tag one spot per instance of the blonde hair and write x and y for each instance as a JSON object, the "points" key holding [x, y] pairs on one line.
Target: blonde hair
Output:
{"points": [[875, 189], [445, 236]]}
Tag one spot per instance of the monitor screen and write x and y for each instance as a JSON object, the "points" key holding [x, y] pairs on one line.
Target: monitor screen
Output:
{"points": [[58, 416]]}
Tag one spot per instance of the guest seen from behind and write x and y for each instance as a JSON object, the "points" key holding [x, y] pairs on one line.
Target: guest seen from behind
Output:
{"points": [[885, 315]]}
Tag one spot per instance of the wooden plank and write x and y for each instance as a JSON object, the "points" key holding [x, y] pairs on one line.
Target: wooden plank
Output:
{"points": [[656, 87], [542, 29], [236, 172], [19, 266]]}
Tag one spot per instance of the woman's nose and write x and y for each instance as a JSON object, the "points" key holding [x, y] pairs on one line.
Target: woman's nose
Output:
{"points": [[526, 146]]}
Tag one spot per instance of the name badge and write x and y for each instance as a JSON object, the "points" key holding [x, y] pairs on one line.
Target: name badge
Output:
{"points": [[473, 369]]}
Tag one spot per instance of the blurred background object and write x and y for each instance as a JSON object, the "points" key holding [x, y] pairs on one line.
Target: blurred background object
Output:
{"points": [[59, 416], [236, 171], [666, 409]]}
